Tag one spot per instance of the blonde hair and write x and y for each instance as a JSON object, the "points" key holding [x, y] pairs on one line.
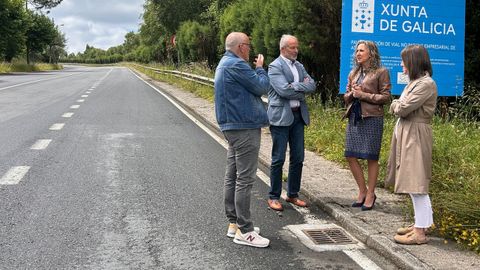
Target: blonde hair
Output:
{"points": [[375, 62]]}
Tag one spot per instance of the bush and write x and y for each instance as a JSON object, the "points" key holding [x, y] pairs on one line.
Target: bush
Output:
{"points": [[195, 42], [22, 66], [467, 107]]}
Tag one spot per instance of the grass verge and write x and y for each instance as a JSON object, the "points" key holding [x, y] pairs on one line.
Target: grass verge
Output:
{"points": [[203, 91], [6, 67]]}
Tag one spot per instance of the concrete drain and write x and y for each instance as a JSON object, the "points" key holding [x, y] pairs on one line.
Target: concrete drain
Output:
{"points": [[326, 236]]}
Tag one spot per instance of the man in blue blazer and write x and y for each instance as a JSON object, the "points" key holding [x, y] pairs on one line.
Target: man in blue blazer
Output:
{"points": [[288, 115]]}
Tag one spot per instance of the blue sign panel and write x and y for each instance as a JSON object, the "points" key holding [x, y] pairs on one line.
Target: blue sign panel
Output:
{"points": [[438, 25]]}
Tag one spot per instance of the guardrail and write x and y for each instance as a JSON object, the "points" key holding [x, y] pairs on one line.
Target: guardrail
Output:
{"points": [[184, 75], [188, 76]]}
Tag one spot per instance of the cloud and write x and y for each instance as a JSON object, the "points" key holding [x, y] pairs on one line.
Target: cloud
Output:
{"points": [[102, 24]]}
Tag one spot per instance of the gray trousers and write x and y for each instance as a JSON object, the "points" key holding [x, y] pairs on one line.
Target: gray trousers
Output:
{"points": [[242, 163]]}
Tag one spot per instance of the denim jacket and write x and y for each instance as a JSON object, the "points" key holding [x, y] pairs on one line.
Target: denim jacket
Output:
{"points": [[238, 89]]}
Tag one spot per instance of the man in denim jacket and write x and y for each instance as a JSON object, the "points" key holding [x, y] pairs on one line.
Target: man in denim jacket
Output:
{"points": [[241, 115]]}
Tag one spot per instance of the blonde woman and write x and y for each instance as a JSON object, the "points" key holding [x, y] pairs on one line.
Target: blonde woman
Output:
{"points": [[368, 89], [410, 161]]}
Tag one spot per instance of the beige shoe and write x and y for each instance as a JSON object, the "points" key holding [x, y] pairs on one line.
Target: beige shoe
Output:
{"points": [[405, 230], [409, 228], [410, 239]]}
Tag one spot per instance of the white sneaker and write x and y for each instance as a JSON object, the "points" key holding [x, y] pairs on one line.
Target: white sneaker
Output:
{"points": [[233, 227], [251, 239]]}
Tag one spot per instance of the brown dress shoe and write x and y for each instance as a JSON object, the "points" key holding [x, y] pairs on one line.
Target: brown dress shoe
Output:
{"points": [[410, 239], [275, 205], [296, 201]]}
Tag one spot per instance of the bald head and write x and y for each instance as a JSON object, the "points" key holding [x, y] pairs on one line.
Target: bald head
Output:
{"points": [[233, 42], [234, 39]]}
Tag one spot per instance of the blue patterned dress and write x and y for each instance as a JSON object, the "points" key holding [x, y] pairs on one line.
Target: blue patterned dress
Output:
{"points": [[364, 135]]}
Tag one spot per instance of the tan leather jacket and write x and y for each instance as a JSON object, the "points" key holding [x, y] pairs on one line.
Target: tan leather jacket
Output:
{"points": [[375, 92]]}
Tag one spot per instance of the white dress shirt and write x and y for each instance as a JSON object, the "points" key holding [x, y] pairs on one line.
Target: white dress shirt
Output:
{"points": [[293, 102]]}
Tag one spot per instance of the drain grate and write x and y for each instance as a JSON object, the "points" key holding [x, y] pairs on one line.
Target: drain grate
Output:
{"points": [[328, 236]]}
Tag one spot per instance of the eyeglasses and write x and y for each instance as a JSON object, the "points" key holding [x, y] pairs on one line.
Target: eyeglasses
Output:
{"points": [[248, 44]]}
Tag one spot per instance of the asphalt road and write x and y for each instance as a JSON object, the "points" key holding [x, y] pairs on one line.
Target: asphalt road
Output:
{"points": [[123, 180]]}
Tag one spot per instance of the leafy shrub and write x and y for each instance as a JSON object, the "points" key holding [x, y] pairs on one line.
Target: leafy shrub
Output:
{"points": [[467, 107], [195, 41]]}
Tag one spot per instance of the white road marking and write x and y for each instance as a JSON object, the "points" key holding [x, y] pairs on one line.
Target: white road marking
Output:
{"points": [[74, 106], [67, 115], [41, 144], [363, 261], [84, 96], [14, 175], [88, 92], [80, 100], [25, 83], [57, 126]]}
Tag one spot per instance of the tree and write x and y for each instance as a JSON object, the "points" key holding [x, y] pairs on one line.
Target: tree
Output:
{"points": [[195, 41], [56, 47], [472, 39], [44, 4], [132, 41], [315, 23], [12, 28], [38, 4], [41, 33], [171, 13], [153, 35]]}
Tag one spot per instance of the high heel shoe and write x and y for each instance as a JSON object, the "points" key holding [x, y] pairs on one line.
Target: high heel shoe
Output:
{"points": [[367, 208], [359, 204]]}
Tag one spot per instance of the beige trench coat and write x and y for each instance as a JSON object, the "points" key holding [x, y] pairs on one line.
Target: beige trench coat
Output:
{"points": [[409, 167]]}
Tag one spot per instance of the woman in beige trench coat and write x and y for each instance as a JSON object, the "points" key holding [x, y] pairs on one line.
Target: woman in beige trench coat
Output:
{"points": [[410, 162]]}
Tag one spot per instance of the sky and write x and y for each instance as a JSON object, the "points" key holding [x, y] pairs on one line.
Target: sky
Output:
{"points": [[98, 23]]}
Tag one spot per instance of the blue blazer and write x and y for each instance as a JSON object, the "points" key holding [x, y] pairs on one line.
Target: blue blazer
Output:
{"points": [[283, 89]]}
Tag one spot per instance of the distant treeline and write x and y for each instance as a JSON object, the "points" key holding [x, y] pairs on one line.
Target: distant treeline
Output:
{"points": [[180, 31], [29, 34]]}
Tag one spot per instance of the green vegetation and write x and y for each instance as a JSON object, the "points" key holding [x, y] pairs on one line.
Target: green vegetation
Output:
{"points": [[203, 91], [29, 34], [18, 66]]}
